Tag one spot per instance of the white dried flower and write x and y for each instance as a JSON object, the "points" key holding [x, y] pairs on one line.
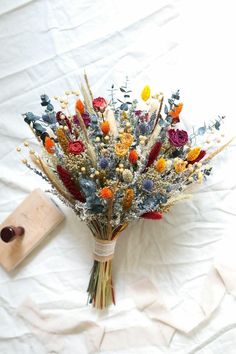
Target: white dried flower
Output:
{"points": [[127, 175]]}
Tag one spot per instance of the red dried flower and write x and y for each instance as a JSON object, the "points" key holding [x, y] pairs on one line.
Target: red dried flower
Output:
{"points": [[99, 104], [154, 153], [70, 184], [133, 156], [76, 147], [152, 215]]}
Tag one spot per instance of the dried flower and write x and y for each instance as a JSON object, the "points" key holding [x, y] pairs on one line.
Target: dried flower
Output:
{"points": [[105, 127], [148, 184], [70, 184], [161, 165], [76, 147], [62, 139], [127, 176], [177, 137], [99, 104], [174, 113], [80, 106], [180, 166], [146, 92], [128, 198], [133, 156], [154, 153], [121, 149], [49, 145], [106, 193], [200, 156], [86, 118], [152, 215], [103, 163], [127, 139], [193, 154]]}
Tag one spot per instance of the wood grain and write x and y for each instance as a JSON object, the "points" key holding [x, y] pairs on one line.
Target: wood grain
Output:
{"points": [[39, 216]]}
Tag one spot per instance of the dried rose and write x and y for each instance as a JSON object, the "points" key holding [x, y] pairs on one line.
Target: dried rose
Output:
{"points": [[177, 137], [99, 104], [127, 139], [121, 149], [76, 147]]}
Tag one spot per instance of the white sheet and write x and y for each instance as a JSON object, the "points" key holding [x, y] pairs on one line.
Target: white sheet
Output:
{"points": [[45, 46]]}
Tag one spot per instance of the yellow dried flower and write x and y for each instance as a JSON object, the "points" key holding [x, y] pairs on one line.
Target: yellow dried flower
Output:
{"points": [[128, 198], [124, 115], [161, 165], [62, 139], [193, 154], [146, 92], [127, 139], [180, 166], [121, 149]]}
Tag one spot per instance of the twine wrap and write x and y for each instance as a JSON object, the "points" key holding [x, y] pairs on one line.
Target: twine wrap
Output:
{"points": [[103, 249]]}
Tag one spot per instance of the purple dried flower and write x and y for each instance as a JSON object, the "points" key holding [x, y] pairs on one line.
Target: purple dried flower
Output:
{"points": [[177, 137], [86, 118], [148, 184], [103, 163]]}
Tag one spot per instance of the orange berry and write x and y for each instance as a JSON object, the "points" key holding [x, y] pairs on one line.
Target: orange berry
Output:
{"points": [[105, 127], [80, 106], [133, 156], [106, 193]]}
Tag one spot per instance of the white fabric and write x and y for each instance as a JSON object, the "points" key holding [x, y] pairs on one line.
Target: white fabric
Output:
{"points": [[186, 261]]}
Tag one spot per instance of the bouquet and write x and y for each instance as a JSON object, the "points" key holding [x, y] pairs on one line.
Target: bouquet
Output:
{"points": [[117, 160]]}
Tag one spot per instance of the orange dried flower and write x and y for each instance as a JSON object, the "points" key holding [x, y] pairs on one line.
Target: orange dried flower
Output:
{"points": [[106, 193], [128, 198], [133, 156], [80, 106], [193, 154], [49, 145], [176, 111], [161, 165], [105, 127]]}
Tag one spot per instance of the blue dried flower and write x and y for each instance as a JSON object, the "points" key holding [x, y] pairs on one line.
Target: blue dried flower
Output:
{"points": [[143, 128], [103, 163], [148, 184]]}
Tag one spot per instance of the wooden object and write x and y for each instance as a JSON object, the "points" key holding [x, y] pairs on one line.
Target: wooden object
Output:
{"points": [[38, 215]]}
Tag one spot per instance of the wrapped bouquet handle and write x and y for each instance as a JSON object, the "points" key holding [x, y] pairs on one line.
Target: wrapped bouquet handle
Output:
{"points": [[103, 249]]}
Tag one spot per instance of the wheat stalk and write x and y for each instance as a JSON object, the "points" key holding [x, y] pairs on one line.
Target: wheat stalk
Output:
{"points": [[55, 182]]}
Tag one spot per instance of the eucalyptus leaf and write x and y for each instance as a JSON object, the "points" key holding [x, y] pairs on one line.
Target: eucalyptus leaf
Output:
{"points": [[201, 130]]}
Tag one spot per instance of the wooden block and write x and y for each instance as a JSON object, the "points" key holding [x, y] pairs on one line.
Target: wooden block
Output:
{"points": [[38, 215]]}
